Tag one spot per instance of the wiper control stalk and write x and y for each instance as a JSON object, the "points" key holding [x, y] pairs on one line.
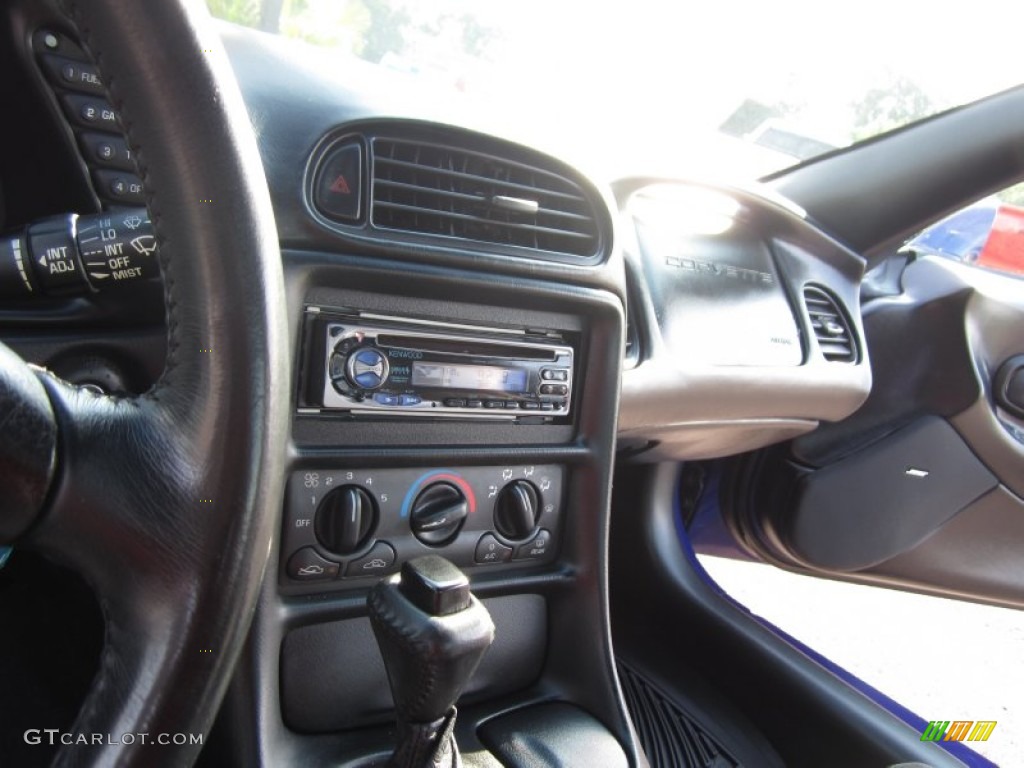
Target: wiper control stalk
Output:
{"points": [[72, 255]]}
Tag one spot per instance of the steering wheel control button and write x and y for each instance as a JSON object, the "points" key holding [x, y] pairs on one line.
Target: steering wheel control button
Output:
{"points": [[345, 519], [338, 192], [106, 150], [54, 256], [377, 562], [367, 368], [438, 514], [489, 550], [307, 565], [537, 548], [74, 75], [516, 510], [120, 187], [90, 112]]}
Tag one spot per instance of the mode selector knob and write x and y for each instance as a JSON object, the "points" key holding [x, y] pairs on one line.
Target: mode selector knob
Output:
{"points": [[438, 513], [516, 510], [345, 519], [367, 367]]}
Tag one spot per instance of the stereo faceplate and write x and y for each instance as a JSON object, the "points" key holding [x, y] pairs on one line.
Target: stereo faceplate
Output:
{"points": [[399, 367]]}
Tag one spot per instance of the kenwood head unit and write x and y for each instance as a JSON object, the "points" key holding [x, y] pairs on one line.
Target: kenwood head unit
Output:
{"points": [[379, 365]]}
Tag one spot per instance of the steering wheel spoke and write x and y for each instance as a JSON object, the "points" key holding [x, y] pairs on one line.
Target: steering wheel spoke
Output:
{"points": [[126, 499]]}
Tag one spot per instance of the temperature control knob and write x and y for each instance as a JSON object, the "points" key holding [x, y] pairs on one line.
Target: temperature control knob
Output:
{"points": [[516, 510], [438, 513], [367, 368], [345, 519]]}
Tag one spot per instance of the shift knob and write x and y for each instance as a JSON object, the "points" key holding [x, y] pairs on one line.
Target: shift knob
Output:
{"points": [[432, 634]]}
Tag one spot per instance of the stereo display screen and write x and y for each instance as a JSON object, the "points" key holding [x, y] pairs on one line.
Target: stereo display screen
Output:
{"points": [[477, 377]]}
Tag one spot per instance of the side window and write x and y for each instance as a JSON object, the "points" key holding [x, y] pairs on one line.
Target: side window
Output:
{"points": [[988, 233]]}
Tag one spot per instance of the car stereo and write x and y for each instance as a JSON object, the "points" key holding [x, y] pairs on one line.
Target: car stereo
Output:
{"points": [[381, 365]]}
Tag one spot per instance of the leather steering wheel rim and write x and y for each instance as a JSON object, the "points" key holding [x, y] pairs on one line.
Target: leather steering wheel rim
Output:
{"points": [[166, 503]]}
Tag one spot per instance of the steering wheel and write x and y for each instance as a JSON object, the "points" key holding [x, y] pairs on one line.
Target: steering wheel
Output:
{"points": [[165, 503]]}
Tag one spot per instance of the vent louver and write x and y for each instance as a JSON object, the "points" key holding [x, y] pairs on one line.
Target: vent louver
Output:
{"points": [[430, 188], [829, 325]]}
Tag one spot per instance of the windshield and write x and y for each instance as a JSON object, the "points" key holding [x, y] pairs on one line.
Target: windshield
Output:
{"points": [[740, 88]]}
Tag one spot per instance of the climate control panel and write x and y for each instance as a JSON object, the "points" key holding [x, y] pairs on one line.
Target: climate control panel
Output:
{"points": [[343, 527]]}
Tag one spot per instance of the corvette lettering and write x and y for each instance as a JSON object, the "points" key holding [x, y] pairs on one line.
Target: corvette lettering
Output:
{"points": [[721, 270]]}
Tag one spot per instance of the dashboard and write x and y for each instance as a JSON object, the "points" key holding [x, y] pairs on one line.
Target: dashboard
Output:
{"points": [[479, 333]]}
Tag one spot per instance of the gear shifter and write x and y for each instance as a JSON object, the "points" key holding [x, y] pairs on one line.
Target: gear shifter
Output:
{"points": [[432, 635]]}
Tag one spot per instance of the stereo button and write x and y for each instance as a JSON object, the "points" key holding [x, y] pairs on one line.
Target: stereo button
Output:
{"points": [[386, 399], [555, 374], [455, 402], [367, 368], [409, 400], [554, 389], [337, 366], [368, 380], [494, 403]]}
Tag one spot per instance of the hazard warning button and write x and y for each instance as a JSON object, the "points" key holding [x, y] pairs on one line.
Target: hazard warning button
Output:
{"points": [[338, 193]]}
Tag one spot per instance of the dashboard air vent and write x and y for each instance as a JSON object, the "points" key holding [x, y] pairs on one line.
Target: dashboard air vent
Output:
{"points": [[830, 327], [431, 188]]}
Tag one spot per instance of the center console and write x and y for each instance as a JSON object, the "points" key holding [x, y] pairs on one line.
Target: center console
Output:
{"points": [[400, 451]]}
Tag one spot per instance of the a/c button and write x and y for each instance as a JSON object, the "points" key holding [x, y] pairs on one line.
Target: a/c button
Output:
{"points": [[490, 550]]}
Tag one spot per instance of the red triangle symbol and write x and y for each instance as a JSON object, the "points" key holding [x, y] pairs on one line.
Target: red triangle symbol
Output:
{"points": [[340, 185]]}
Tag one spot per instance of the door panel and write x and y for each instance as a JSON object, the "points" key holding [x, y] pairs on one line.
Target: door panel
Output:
{"points": [[923, 487]]}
